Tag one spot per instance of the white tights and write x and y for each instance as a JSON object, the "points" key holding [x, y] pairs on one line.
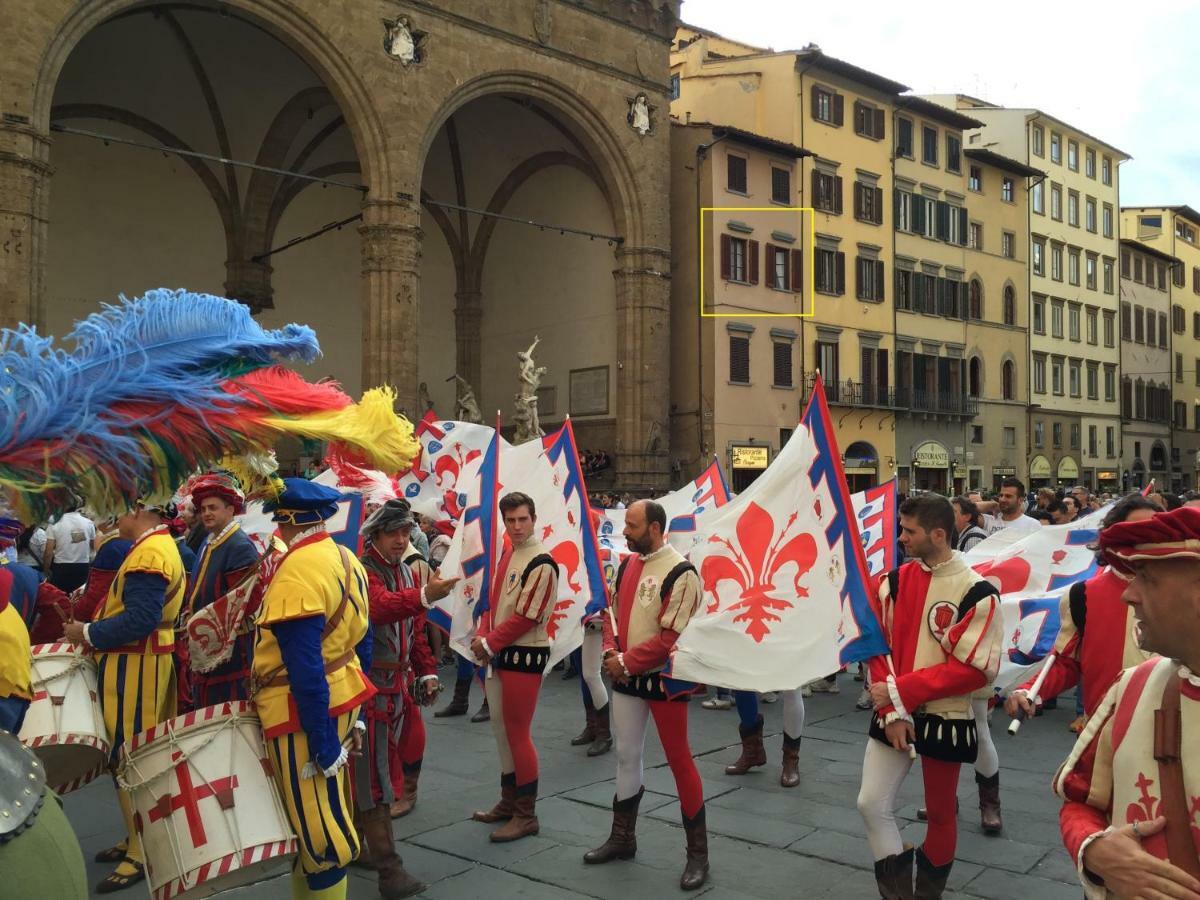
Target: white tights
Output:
{"points": [[793, 713], [593, 653], [987, 763], [630, 715], [884, 770]]}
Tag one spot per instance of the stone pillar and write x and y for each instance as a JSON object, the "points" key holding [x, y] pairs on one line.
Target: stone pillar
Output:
{"points": [[24, 204], [249, 282], [468, 337], [391, 254], [643, 354]]}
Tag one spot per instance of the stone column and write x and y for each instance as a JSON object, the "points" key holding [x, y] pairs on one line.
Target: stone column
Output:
{"points": [[24, 203], [249, 282], [643, 354], [391, 254], [468, 324]]}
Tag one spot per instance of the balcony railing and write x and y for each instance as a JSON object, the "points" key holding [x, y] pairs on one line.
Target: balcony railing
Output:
{"points": [[869, 395]]}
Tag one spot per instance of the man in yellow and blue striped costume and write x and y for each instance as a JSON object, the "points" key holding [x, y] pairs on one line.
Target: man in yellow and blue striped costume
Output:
{"points": [[312, 650], [133, 639]]}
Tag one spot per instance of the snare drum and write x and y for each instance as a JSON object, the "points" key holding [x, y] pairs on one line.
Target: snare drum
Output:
{"points": [[207, 808], [64, 726]]}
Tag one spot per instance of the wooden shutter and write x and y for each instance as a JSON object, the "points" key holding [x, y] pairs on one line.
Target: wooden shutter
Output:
{"points": [[840, 274], [739, 359], [879, 279], [858, 200], [770, 267], [860, 284], [943, 220], [837, 193], [817, 194], [881, 373], [962, 226], [815, 103], [783, 364], [797, 280], [861, 124], [839, 106], [878, 208], [726, 252], [918, 214], [752, 262], [879, 124]]}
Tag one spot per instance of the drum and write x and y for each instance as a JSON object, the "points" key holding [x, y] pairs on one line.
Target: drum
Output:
{"points": [[206, 806], [63, 725]]}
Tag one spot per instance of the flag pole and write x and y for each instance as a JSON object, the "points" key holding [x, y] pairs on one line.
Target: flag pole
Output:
{"points": [[1034, 690]]}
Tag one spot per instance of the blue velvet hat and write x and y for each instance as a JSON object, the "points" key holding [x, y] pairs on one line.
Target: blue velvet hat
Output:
{"points": [[303, 502]]}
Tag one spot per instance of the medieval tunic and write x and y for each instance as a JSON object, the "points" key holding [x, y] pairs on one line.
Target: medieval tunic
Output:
{"points": [[400, 655], [1112, 777], [523, 596], [944, 629], [225, 560], [1096, 639]]}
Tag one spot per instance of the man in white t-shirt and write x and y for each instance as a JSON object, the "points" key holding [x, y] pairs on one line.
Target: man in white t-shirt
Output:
{"points": [[1012, 510], [69, 550]]}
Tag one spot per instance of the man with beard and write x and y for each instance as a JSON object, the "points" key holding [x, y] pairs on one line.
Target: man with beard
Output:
{"points": [[942, 622], [657, 592], [1011, 514], [1130, 784]]}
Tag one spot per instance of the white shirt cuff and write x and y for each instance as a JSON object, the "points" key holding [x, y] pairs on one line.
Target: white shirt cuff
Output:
{"points": [[424, 602], [1091, 890], [894, 694], [87, 637], [486, 648]]}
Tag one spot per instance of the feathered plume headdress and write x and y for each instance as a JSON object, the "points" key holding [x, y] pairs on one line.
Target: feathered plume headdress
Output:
{"points": [[161, 386]]}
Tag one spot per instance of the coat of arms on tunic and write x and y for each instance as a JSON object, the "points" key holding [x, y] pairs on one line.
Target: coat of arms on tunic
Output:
{"points": [[402, 42]]}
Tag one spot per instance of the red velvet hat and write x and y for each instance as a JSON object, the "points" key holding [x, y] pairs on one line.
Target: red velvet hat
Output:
{"points": [[1168, 535], [217, 485]]}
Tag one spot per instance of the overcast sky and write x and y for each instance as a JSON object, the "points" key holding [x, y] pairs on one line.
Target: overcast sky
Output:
{"points": [[1130, 76]]}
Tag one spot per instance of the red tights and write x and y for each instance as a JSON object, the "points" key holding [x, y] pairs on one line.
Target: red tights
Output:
{"points": [[512, 698]]}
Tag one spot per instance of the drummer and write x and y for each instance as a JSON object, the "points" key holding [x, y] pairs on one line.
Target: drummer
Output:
{"points": [[309, 684], [133, 637]]}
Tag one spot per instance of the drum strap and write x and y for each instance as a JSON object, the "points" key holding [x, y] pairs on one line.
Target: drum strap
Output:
{"points": [[1168, 752]]}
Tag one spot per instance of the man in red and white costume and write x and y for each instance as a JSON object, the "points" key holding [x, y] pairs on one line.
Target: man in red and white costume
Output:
{"points": [[657, 592], [1131, 786], [1097, 635], [513, 643], [943, 623]]}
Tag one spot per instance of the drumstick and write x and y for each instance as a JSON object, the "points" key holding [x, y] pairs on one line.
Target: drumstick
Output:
{"points": [[1034, 690], [912, 751]]}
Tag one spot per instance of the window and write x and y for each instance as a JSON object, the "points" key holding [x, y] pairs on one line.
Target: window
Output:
{"points": [[1137, 269], [975, 179], [1110, 328], [903, 210], [1008, 245], [1039, 373], [868, 203], [1108, 275], [1110, 441], [1126, 398], [1089, 214], [1092, 323], [952, 226], [782, 363], [1150, 330], [827, 361], [1089, 163], [1185, 231], [1162, 331], [953, 153], [1055, 202], [1056, 262], [1074, 437], [1037, 198], [1006, 190], [868, 120], [675, 86], [1139, 331], [1198, 373], [1056, 318], [739, 359], [1126, 264], [974, 377], [1092, 429], [1056, 431], [1108, 220], [1093, 381], [1196, 326], [929, 145], [830, 272], [1073, 265], [1110, 385], [975, 299], [827, 191], [1039, 434], [1179, 368], [1091, 272], [781, 185], [1039, 315], [904, 289], [1038, 140], [1010, 305], [1039, 256], [1178, 319], [1056, 375], [1162, 277], [1008, 380], [928, 217], [1073, 156], [736, 168], [1073, 208], [1126, 322], [1196, 279], [904, 138], [1177, 275], [869, 278], [783, 268], [1106, 170], [975, 236], [976, 434], [1073, 322], [739, 260], [827, 106], [1055, 147]]}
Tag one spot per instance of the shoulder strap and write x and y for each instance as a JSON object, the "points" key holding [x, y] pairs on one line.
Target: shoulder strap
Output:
{"points": [[332, 622], [1077, 598], [542, 559], [1168, 750], [893, 580], [673, 576], [620, 573]]}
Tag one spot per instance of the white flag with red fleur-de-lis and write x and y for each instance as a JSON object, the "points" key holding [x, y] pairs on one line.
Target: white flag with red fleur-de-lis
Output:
{"points": [[785, 595]]}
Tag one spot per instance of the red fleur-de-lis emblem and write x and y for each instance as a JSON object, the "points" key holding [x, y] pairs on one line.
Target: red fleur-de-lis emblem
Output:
{"points": [[1057, 556], [1146, 807], [754, 563]]}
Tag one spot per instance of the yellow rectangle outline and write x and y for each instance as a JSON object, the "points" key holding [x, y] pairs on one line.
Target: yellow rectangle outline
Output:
{"points": [[812, 244]]}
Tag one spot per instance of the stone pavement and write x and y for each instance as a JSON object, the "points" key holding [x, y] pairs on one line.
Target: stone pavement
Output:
{"points": [[765, 841]]}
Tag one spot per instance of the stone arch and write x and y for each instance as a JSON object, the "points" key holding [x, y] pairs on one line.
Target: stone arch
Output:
{"points": [[283, 21]]}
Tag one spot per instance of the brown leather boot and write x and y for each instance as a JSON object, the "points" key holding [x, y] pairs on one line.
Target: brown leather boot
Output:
{"points": [[894, 876], [622, 842], [989, 803], [394, 880], [753, 752], [931, 879], [458, 703], [695, 871], [404, 804], [589, 729], [503, 810], [790, 777], [603, 741], [524, 819], [483, 714]]}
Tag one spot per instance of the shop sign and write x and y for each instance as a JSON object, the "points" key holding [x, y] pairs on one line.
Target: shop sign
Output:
{"points": [[1068, 469], [751, 457], [1039, 467], [931, 455]]}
